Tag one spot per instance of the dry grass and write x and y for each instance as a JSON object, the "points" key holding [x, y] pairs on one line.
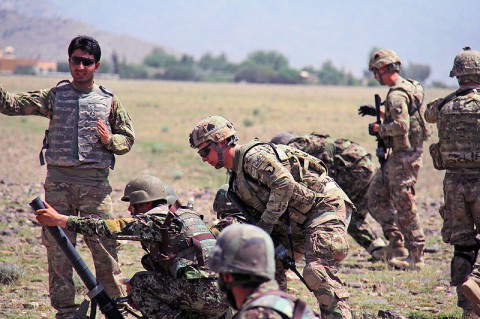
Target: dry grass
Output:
{"points": [[163, 115]]}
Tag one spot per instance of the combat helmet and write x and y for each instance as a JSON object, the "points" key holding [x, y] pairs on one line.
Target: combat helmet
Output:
{"points": [[467, 62], [147, 188], [282, 138], [213, 128], [381, 58], [243, 249]]}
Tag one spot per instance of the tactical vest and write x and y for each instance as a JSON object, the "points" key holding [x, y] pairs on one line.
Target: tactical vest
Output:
{"points": [[459, 134], [309, 173], [282, 303], [419, 129], [186, 241], [72, 138]]}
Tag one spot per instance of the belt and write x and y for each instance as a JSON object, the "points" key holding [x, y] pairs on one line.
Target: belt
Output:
{"points": [[411, 149]]}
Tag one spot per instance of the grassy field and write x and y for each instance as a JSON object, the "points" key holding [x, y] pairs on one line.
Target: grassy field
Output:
{"points": [[163, 114]]}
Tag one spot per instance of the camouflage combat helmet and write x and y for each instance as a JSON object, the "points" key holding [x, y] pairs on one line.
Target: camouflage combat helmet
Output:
{"points": [[282, 138], [382, 58], [222, 205], [147, 188], [467, 62], [214, 128], [243, 249]]}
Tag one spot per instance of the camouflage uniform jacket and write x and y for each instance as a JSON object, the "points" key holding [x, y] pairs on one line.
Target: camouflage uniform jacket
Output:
{"points": [[146, 229], [264, 183], [402, 129], [43, 103], [264, 305]]}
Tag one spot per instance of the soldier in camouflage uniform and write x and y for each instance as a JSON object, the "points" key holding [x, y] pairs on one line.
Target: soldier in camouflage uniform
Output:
{"points": [[457, 117], [393, 187], [177, 283], [88, 125], [285, 186], [244, 258], [351, 166]]}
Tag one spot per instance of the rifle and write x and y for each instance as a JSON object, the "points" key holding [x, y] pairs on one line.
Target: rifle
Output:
{"points": [[281, 253], [381, 150], [96, 292]]}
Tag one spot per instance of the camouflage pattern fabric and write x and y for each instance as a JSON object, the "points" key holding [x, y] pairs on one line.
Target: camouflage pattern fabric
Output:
{"points": [[81, 200], [76, 195], [160, 296], [461, 186], [194, 290], [391, 199], [255, 308], [324, 224], [351, 166]]}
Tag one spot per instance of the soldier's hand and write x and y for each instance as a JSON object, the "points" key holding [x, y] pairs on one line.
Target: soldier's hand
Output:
{"points": [[103, 132], [367, 110], [50, 217], [373, 129]]}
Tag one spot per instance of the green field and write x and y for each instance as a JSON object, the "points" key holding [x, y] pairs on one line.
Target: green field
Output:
{"points": [[164, 113]]}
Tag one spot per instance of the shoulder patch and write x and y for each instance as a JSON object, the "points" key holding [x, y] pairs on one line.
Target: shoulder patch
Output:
{"points": [[105, 90]]}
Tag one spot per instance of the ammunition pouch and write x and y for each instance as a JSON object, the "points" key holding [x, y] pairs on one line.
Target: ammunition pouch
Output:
{"points": [[436, 156]]}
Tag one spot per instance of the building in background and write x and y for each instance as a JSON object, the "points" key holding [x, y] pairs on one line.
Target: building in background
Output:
{"points": [[9, 64]]}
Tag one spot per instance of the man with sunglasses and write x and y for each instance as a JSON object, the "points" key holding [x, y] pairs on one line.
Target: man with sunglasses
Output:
{"points": [[403, 131], [88, 126], [290, 191]]}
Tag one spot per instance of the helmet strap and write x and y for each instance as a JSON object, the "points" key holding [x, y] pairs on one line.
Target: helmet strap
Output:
{"points": [[219, 151]]}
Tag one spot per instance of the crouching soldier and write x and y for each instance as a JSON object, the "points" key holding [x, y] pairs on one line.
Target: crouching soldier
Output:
{"points": [[177, 282]]}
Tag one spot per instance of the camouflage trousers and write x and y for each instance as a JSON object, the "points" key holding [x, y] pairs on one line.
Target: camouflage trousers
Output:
{"points": [[461, 224], [161, 296], [80, 200], [391, 198], [324, 245], [355, 182]]}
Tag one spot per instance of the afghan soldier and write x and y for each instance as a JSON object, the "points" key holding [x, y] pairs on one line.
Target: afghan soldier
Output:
{"points": [[88, 126], [457, 117], [393, 187], [177, 282], [351, 166], [289, 189], [244, 258]]}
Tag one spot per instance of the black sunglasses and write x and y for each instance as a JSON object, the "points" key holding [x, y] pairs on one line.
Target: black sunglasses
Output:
{"points": [[205, 151], [85, 61]]}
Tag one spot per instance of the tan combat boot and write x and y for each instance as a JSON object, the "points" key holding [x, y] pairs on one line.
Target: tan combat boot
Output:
{"points": [[395, 248], [471, 290], [415, 261]]}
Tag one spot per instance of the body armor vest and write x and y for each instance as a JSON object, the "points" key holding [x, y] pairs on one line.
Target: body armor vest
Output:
{"points": [[186, 241], [309, 173], [419, 129], [72, 138], [459, 134]]}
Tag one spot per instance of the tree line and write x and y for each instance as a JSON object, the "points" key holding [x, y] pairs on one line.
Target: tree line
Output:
{"points": [[258, 67]]}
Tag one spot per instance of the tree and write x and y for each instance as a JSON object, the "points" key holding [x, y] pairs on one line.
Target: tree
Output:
{"points": [[159, 59], [271, 59]]}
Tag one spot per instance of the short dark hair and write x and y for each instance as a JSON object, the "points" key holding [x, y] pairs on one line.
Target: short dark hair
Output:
{"points": [[85, 43]]}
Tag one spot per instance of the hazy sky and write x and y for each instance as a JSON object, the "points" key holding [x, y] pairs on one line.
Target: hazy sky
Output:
{"points": [[307, 32]]}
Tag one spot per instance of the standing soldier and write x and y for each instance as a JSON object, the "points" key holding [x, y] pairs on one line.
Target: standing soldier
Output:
{"points": [[289, 189], [177, 282], [88, 125], [244, 258], [457, 116], [393, 187], [351, 166]]}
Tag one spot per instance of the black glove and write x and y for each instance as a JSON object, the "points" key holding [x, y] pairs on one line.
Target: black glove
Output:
{"points": [[370, 129], [281, 253], [367, 110]]}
